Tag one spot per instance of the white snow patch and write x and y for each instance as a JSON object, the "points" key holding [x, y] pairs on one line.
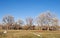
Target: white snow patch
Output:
{"points": [[36, 34], [5, 32]]}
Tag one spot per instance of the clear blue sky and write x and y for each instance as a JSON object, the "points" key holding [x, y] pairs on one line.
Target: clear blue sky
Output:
{"points": [[25, 8]]}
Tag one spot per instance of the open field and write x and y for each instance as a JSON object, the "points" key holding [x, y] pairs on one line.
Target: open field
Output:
{"points": [[30, 34]]}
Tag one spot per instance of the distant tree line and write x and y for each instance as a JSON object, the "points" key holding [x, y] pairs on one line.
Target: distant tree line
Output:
{"points": [[44, 21]]}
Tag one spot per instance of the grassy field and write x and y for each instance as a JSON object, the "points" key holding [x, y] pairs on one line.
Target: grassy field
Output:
{"points": [[30, 34]]}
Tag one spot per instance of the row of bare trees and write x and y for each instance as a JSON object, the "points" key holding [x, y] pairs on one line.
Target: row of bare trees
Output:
{"points": [[45, 21]]}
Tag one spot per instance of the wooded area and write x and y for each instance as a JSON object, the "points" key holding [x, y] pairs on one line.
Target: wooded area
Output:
{"points": [[44, 21]]}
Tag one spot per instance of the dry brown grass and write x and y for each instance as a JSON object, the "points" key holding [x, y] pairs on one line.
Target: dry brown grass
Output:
{"points": [[29, 34]]}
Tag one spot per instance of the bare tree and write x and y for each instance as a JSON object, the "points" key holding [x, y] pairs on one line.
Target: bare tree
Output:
{"points": [[18, 24], [29, 22], [46, 19], [55, 23], [8, 20]]}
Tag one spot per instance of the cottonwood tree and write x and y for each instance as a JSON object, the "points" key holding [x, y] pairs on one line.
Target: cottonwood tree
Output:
{"points": [[29, 22], [18, 24], [46, 19], [55, 23], [8, 20]]}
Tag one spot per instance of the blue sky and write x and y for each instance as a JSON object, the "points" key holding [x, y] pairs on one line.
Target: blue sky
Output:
{"points": [[28, 8]]}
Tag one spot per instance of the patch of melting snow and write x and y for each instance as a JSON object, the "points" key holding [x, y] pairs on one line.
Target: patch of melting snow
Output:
{"points": [[36, 34], [5, 32]]}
